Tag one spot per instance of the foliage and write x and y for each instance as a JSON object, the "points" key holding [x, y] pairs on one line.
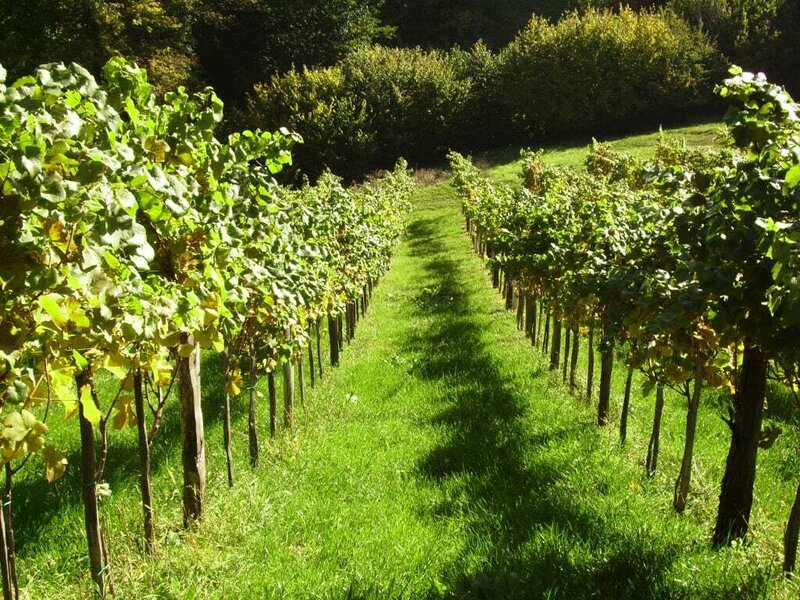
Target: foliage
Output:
{"points": [[689, 261], [442, 24], [359, 115], [414, 98], [243, 42], [134, 234], [155, 33], [614, 68], [759, 35]]}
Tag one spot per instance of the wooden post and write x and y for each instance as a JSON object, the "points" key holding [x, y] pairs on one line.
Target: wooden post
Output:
{"points": [[288, 393], [192, 434], [98, 561], [144, 464], [252, 421], [273, 404]]}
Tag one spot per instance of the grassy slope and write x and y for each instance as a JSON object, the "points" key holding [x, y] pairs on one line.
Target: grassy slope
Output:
{"points": [[440, 460], [505, 167]]}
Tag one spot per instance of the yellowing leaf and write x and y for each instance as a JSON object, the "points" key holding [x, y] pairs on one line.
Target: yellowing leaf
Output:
{"points": [[50, 304], [39, 393], [55, 463], [70, 408], [233, 386], [14, 429], [116, 364], [62, 389], [185, 350], [210, 315], [76, 314], [90, 411], [160, 369], [124, 415]]}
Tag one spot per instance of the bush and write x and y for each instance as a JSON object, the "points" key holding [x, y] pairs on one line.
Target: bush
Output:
{"points": [[758, 35], [378, 104], [415, 99], [601, 71], [587, 74], [316, 104]]}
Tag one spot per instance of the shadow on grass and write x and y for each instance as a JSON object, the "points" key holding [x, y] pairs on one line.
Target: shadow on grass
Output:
{"points": [[524, 527]]}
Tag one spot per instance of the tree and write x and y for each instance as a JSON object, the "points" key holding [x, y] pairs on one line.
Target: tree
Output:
{"points": [[243, 42], [154, 33]]}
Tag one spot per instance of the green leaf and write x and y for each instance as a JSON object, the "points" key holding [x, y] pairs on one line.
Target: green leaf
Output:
{"points": [[793, 176], [80, 361], [50, 304]]}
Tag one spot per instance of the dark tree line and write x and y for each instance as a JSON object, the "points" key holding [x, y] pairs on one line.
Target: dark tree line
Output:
{"points": [[234, 44]]}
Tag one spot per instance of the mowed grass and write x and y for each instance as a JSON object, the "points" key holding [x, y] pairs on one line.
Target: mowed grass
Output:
{"points": [[441, 460], [504, 165]]}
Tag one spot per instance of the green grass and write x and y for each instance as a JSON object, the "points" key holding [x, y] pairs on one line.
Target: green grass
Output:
{"points": [[441, 460], [505, 165]]}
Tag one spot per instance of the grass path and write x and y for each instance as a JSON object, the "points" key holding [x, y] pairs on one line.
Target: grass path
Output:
{"points": [[440, 460]]}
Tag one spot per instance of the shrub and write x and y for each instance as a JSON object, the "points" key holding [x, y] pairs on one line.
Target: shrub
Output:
{"points": [[601, 71], [316, 104], [760, 35], [378, 104], [415, 99]]}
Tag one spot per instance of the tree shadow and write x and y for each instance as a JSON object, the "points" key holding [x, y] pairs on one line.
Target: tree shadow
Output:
{"points": [[522, 516]]}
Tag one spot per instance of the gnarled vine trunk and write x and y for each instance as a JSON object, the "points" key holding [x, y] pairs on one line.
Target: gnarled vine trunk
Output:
{"points": [[652, 447], [555, 346], [604, 395], [590, 367], [273, 404], [288, 394], [736, 495], [790, 536], [573, 360], [333, 334], [5, 562], [252, 420], [683, 483], [226, 419], [98, 561], [626, 402]]}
